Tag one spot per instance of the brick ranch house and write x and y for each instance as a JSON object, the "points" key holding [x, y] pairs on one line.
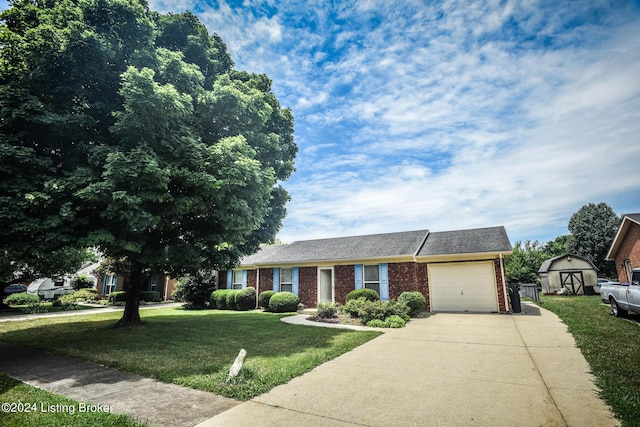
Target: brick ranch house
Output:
{"points": [[459, 270], [625, 249]]}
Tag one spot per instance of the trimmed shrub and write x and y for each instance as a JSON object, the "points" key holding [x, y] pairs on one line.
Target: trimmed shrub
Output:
{"points": [[398, 308], [352, 307], [117, 296], [231, 299], [263, 299], [327, 310], [284, 302], [367, 311], [218, 299], [195, 290], [376, 323], [69, 306], [415, 301], [81, 282], [246, 299], [86, 295], [368, 294], [35, 308], [394, 321], [150, 296], [371, 310], [22, 298]]}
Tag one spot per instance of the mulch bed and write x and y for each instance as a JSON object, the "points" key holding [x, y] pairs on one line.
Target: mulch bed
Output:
{"points": [[343, 319]]}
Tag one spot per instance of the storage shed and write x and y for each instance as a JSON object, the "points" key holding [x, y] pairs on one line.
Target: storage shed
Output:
{"points": [[568, 274]]}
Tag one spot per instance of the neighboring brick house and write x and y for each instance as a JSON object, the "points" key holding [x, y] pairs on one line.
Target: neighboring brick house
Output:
{"points": [[455, 270], [108, 282], [625, 249]]}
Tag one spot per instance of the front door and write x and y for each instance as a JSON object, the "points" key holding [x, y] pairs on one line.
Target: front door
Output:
{"points": [[572, 281], [325, 284]]}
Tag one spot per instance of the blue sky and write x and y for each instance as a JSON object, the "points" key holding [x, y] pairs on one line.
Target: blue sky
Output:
{"points": [[446, 114]]}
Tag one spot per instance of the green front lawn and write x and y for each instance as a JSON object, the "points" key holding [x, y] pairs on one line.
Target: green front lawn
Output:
{"points": [[26, 406], [610, 345], [192, 348]]}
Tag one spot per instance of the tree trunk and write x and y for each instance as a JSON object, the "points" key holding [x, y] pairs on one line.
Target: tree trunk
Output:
{"points": [[131, 315]]}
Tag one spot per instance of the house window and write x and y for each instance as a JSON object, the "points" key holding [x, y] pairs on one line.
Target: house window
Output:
{"points": [[286, 280], [372, 277], [237, 279], [110, 283], [154, 281], [58, 282]]}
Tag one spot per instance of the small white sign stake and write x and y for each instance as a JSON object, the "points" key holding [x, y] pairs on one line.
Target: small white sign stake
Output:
{"points": [[237, 365]]}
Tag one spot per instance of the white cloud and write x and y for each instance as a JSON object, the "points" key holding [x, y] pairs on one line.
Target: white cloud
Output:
{"points": [[451, 114]]}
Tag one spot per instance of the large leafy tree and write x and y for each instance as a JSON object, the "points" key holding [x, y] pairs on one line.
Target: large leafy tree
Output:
{"points": [[523, 264], [593, 228], [131, 131]]}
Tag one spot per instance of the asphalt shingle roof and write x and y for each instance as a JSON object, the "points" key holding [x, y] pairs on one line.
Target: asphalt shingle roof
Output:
{"points": [[387, 245], [477, 240], [634, 216]]}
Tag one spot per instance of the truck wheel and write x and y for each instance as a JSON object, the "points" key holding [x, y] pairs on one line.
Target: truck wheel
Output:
{"points": [[616, 310]]}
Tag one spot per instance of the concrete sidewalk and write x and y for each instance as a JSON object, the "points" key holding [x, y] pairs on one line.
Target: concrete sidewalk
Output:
{"points": [[156, 402], [444, 370]]}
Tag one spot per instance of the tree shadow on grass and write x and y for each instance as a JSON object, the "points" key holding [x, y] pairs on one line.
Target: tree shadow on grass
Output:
{"points": [[168, 347]]}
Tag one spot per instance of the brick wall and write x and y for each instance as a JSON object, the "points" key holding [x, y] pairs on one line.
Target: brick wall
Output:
{"points": [[222, 279], [308, 286], [422, 279], [344, 281], [252, 276], [502, 305], [407, 277], [266, 279], [629, 250]]}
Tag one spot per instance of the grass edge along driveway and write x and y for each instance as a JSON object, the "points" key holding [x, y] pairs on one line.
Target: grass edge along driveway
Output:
{"points": [[27, 406], [192, 348], [610, 346]]}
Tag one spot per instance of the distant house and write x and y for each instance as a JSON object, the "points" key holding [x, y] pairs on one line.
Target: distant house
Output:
{"points": [[569, 274], [625, 249], [459, 270]]}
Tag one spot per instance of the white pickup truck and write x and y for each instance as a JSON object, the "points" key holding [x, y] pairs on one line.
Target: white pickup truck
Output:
{"points": [[623, 297]]}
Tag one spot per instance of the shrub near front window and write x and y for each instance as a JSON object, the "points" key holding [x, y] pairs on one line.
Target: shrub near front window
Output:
{"points": [[218, 299], [246, 299], [263, 299], [284, 302], [117, 296], [368, 294]]}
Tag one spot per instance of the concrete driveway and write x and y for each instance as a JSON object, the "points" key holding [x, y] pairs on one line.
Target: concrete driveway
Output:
{"points": [[443, 370]]}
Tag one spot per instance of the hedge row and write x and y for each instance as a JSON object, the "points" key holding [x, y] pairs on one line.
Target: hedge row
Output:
{"points": [[245, 299], [146, 296], [233, 299]]}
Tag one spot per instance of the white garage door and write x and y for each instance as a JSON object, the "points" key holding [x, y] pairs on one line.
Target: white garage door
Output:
{"points": [[463, 286]]}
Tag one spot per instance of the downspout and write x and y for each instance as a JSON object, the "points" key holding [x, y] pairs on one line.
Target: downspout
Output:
{"points": [[257, 284], [504, 285]]}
